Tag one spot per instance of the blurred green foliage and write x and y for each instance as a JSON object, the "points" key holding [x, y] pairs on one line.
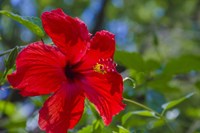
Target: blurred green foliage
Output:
{"points": [[158, 47]]}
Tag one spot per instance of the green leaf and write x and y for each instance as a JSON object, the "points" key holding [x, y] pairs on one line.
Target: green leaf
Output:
{"points": [[13, 124], [11, 58], [32, 23], [87, 129], [35, 20], [9, 63], [182, 64], [7, 107], [161, 84], [145, 113], [97, 124], [155, 40], [197, 84], [152, 65], [126, 117], [173, 103], [123, 130], [193, 112], [130, 60]]}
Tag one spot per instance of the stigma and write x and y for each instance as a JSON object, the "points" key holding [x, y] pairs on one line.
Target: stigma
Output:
{"points": [[104, 66]]}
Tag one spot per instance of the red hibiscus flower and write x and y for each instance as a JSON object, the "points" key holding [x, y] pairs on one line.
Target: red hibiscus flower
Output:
{"points": [[78, 67]]}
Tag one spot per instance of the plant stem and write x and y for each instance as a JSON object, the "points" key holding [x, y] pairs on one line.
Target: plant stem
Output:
{"points": [[149, 109], [139, 104], [168, 125], [132, 80], [8, 51]]}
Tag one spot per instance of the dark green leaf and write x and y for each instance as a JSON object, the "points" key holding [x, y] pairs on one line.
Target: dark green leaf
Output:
{"points": [[11, 58], [32, 23], [161, 83], [197, 84], [130, 60], [152, 65], [183, 64], [155, 39], [9, 63]]}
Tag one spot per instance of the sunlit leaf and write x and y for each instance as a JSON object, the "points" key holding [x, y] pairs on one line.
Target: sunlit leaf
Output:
{"points": [[31, 23], [35, 20], [17, 130], [156, 123], [97, 126], [123, 130], [126, 117], [145, 113], [193, 112], [87, 129], [173, 103], [13, 125], [7, 107]]}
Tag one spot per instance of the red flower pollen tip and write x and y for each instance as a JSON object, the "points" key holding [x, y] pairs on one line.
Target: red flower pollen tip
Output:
{"points": [[77, 67]]}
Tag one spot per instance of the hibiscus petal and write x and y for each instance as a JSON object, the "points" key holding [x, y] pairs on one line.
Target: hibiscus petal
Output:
{"points": [[102, 47], [39, 70], [69, 34], [104, 43], [63, 110], [105, 92]]}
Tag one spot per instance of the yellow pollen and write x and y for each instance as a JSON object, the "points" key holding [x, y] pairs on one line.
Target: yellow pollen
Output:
{"points": [[99, 68]]}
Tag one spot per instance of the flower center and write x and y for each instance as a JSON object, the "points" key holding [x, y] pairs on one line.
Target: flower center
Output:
{"points": [[69, 72], [104, 66]]}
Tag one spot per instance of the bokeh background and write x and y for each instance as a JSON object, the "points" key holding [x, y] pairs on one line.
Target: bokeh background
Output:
{"points": [[158, 46]]}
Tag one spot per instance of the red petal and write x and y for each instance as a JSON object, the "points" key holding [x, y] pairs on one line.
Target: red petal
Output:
{"points": [[63, 110], [102, 47], [104, 43], [39, 70], [106, 94], [69, 34]]}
